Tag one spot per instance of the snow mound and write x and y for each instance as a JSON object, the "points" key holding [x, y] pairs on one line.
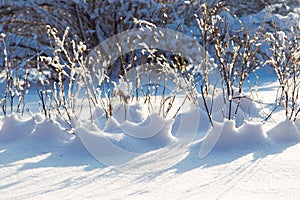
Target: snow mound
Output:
{"points": [[132, 142], [285, 131], [14, 127], [111, 125], [50, 134], [131, 112], [190, 124], [127, 114], [223, 137], [148, 128], [119, 143]]}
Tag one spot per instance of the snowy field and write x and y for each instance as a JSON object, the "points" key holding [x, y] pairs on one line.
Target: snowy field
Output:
{"points": [[31, 172], [138, 154], [39, 161]]}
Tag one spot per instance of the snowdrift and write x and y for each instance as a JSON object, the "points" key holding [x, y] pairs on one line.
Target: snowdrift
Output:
{"points": [[121, 139]]}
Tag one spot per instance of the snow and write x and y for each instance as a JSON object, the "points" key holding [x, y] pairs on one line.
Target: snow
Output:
{"points": [[34, 170], [112, 160], [141, 155], [13, 128], [225, 137], [285, 131]]}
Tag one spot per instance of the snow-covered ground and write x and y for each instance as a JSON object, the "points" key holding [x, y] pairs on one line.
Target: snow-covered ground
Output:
{"points": [[150, 157], [40, 161], [31, 172]]}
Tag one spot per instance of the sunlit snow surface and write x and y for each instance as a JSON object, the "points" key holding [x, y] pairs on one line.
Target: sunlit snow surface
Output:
{"points": [[256, 160], [44, 163]]}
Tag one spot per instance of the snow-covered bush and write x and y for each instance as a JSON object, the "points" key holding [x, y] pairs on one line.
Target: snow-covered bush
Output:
{"points": [[115, 16], [234, 54], [58, 97], [24, 22], [284, 58], [14, 84]]}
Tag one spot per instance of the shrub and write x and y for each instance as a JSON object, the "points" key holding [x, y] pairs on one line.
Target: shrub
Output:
{"points": [[284, 58]]}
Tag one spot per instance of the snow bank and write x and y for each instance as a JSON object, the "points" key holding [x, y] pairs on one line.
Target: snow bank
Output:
{"points": [[285, 131], [14, 128], [49, 134], [145, 129], [117, 140], [122, 139], [189, 123], [224, 137], [132, 112], [37, 132]]}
